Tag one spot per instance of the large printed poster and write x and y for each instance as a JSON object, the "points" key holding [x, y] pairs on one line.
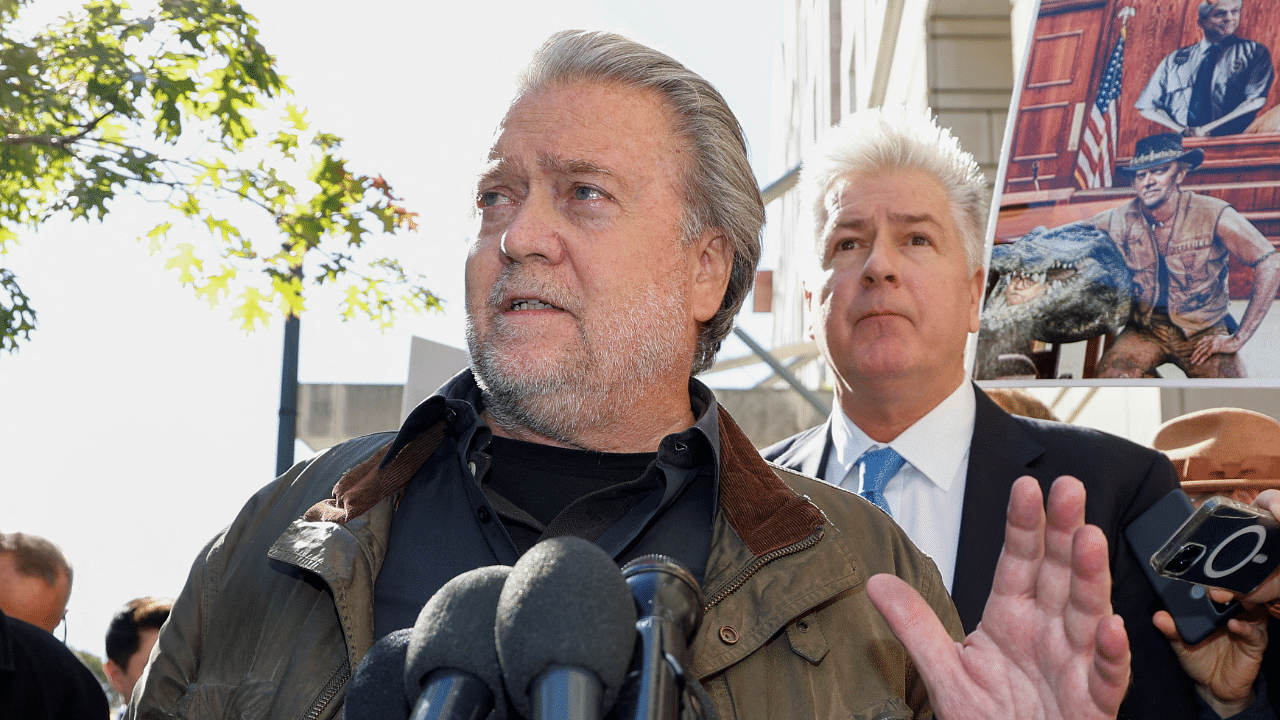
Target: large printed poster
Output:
{"points": [[1139, 199]]}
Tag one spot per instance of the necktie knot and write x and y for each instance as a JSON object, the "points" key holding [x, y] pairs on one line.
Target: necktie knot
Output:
{"points": [[877, 467]]}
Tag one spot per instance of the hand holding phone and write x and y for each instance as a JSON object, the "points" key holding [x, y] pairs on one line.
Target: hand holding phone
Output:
{"points": [[1194, 614], [1225, 544]]}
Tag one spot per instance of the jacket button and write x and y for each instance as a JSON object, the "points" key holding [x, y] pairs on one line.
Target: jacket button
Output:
{"points": [[483, 515], [728, 635], [803, 626], [472, 467]]}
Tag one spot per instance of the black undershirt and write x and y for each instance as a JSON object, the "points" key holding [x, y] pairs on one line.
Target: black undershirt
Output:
{"points": [[542, 491]]}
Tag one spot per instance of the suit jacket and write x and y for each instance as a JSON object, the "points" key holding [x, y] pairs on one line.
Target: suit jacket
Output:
{"points": [[1122, 480]]}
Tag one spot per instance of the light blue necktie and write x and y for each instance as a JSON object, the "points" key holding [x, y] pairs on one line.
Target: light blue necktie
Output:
{"points": [[878, 466]]}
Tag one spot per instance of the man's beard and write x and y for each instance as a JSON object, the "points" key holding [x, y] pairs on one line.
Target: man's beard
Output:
{"points": [[566, 395]]}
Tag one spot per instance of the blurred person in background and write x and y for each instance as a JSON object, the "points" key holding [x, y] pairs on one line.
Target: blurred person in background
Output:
{"points": [[39, 677], [35, 580], [130, 637]]}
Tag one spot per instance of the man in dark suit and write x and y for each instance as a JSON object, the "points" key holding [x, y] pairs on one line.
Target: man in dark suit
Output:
{"points": [[893, 294]]}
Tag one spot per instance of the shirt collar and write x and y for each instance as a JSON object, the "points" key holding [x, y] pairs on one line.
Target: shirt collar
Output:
{"points": [[705, 431], [460, 401], [936, 444]]}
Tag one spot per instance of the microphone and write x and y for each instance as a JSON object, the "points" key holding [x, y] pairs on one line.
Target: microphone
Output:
{"points": [[565, 631], [669, 604], [376, 686], [451, 669]]}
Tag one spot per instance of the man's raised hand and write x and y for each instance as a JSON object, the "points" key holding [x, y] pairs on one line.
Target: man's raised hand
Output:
{"points": [[1048, 645]]}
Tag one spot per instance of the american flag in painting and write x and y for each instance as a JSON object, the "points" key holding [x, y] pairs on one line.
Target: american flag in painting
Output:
{"points": [[1098, 143]]}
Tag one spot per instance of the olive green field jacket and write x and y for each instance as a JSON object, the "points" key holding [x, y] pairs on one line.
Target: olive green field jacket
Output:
{"points": [[278, 608]]}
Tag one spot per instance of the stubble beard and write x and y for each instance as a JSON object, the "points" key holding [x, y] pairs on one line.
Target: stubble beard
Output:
{"points": [[569, 396]]}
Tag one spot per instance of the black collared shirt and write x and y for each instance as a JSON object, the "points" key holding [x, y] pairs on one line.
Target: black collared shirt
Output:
{"points": [[446, 525]]}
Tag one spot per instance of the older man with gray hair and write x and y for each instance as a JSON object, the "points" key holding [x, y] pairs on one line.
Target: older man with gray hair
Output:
{"points": [[40, 678], [1214, 87], [893, 293], [35, 580], [618, 234]]}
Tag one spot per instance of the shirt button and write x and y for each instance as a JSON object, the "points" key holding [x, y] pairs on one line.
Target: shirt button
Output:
{"points": [[728, 635], [483, 515]]}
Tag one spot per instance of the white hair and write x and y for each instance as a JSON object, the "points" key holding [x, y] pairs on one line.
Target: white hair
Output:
{"points": [[896, 138]]}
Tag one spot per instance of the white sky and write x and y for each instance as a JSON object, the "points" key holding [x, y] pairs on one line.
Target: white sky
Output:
{"points": [[136, 421]]}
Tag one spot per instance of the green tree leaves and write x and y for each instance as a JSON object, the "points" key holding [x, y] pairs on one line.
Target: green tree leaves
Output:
{"points": [[185, 108], [16, 315]]}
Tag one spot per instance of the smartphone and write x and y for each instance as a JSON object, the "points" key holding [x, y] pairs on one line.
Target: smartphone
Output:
{"points": [[1225, 543], [1194, 613]]}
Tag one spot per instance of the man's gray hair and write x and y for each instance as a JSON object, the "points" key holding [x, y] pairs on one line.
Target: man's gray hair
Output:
{"points": [[719, 189], [1206, 7], [35, 556], [883, 139]]}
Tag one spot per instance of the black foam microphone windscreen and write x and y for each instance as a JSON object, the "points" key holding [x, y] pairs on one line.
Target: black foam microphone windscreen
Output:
{"points": [[454, 634], [565, 605], [376, 691]]}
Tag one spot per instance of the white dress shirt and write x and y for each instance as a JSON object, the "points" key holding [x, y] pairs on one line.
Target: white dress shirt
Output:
{"points": [[927, 494]]}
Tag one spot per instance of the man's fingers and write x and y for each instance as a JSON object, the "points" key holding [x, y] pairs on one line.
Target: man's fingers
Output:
{"points": [[1164, 623], [1018, 569], [1090, 586], [1220, 595], [1269, 500], [916, 626], [1064, 516], [1201, 352], [1109, 675]]}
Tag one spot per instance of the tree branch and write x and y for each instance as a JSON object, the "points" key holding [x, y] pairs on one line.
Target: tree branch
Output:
{"points": [[60, 142]]}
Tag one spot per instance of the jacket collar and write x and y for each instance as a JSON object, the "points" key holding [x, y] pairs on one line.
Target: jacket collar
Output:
{"points": [[764, 512], [386, 472], [765, 534], [809, 451]]}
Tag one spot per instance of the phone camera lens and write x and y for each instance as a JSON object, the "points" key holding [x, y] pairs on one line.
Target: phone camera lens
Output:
{"points": [[1187, 556]]}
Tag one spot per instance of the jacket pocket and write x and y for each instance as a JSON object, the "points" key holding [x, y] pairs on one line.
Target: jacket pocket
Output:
{"points": [[883, 710]]}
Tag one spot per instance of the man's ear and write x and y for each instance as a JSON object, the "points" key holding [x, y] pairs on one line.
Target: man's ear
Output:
{"points": [[712, 265], [808, 305], [115, 676], [977, 284]]}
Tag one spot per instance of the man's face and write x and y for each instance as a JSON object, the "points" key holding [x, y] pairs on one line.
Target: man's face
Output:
{"points": [[579, 282], [126, 678], [1023, 289], [1222, 20], [1158, 185], [895, 299], [29, 597]]}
